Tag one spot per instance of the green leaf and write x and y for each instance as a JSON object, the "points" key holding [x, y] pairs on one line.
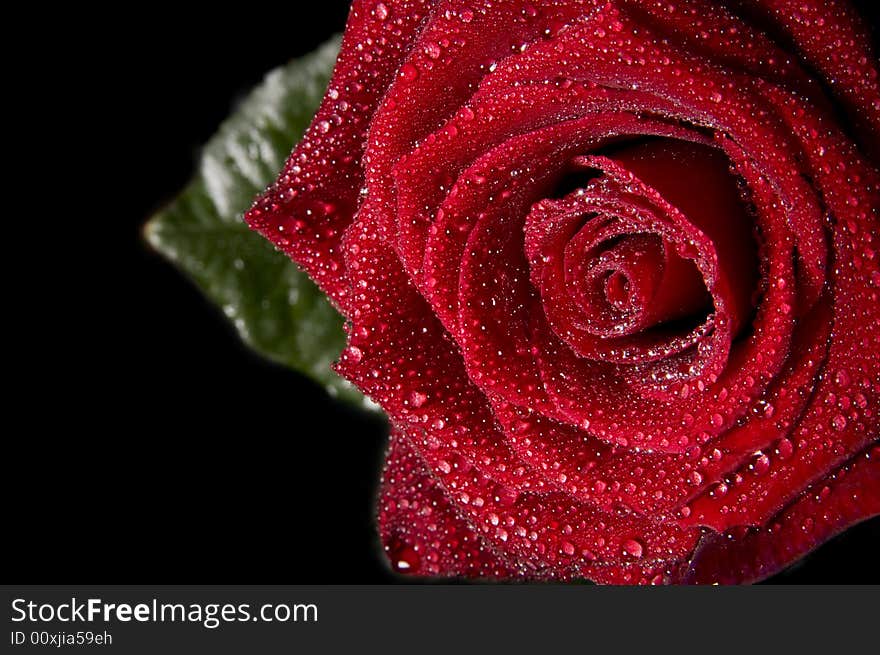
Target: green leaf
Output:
{"points": [[275, 307]]}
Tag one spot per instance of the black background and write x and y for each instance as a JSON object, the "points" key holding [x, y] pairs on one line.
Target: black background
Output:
{"points": [[156, 448]]}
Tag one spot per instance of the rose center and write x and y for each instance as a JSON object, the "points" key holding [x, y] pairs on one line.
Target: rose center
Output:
{"points": [[698, 181], [617, 290], [650, 255]]}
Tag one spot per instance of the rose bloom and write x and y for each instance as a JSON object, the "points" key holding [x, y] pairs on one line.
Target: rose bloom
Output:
{"points": [[611, 270]]}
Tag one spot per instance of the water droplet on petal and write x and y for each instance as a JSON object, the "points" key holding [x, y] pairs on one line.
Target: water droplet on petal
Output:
{"points": [[633, 548], [505, 496], [784, 448], [409, 72], [761, 464], [404, 558]]}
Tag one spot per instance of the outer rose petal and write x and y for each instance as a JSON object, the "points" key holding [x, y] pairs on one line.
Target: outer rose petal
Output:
{"points": [[818, 28], [306, 211], [421, 532], [834, 503]]}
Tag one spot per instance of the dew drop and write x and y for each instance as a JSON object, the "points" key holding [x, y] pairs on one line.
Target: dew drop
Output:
{"points": [[720, 489], [505, 496], [784, 448], [761, 464], [404, 558], [409, 72], [633, 548]]}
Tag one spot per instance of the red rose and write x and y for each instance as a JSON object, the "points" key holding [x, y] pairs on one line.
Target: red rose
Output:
{"points": [[611, 269]]}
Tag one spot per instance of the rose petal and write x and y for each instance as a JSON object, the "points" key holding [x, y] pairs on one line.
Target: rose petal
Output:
{"points": [[307, 209], [834, 503]]}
